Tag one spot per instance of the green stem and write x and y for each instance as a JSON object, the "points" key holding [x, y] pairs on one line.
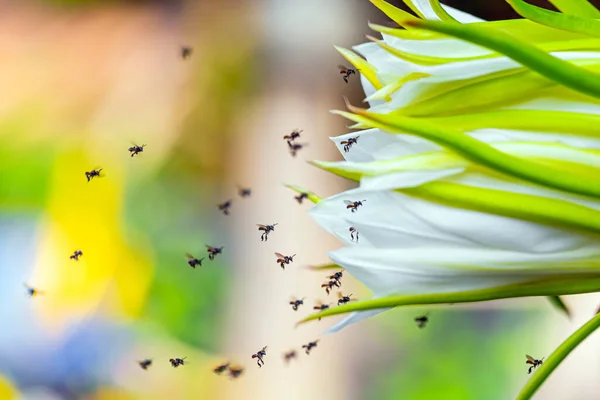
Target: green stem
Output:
{"points": [[557, 357]]}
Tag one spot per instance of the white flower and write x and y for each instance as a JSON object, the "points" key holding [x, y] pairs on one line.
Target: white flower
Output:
{"points": [[481, 171]]}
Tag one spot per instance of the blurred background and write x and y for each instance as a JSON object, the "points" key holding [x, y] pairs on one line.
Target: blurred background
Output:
{"points": [[80, 81]]}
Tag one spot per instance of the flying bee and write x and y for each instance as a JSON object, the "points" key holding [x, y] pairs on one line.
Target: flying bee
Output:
{"points": [[297, 303], [76, 255], [93, 173], [289, 355], [348, 143], [534, 363], [176, 362], [301, 197], [346, 72], [244, 192], [193, 261], [329, 285], [295, 147], [309, 346], [353, 205], [135, 149], [186, 52], [221, 368], [235, 372], [225, 207], [213, 251], [352, 232], [422, 320], [259, 356], [31, 291], [266, 229], [292, 136], [144, 364], [344, 299], [320, 306], [336, 277], [282, 260]]}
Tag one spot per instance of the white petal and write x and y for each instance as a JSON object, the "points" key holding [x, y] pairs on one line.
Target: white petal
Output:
{"points": [[354, 318], [424, 6], [405, 179]]}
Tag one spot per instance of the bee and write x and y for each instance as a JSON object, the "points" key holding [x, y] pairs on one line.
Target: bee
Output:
{"points": [[301, 197], [309, 346], [282, 260], [93, 173], [329, 285], [235, 372], [534, 363], [213, 251], [135, 149], [244, 192], [348, 143], [353, 231], [336, 277], [344, 299], [422, 320], [31, 291], [193, 261], [295, 147], [225, 207], [76, 255], [259, 356], [353, 205], [346, 72], [266, 229], [292, 136], [320, 306], [186, 52], [221, 368], [144, 364], [296, 303], [177, 362], [289, 355]]}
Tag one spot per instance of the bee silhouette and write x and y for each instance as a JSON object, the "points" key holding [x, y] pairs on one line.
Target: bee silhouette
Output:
{"points": [[259, 356], [344, 299], [221, 368], [349, 143], [309, 346], [301, 197], [177, 362], [213, 251], [186, 52], [320, 306], [225, 207], [296, 147], [193, 261], [329, 285], [353, 231], [336, 277], [235, 372], [287, 357], [353, 205], [31, 291], [244, 192], [292, 136], [346, 72], [266, 229], [422, 320], [534, 363], [295, 303], [135, 149], [145, 364], [75, 256], [93, 174], [283, 260]]}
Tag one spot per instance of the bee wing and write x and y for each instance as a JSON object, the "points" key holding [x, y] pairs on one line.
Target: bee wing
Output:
{"points": [[529, 358], [340, 295], [348, 202], [529, 362], [344, 142], [279, 255], [189, 256], [264, 348], [342, 67], [261, 226]]}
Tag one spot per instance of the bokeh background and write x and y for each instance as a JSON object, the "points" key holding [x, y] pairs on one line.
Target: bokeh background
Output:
{"points": [[79, 82]]}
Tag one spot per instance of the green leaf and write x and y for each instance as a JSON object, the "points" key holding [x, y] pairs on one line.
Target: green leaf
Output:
{"points": [[557, 285], [581, 8], [394, 13], [311, 196], [563, 72], [560, 304], [573, 23], [557, 356]]}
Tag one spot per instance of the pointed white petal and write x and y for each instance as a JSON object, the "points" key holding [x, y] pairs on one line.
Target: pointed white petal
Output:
{"points": [[354, 318]]}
